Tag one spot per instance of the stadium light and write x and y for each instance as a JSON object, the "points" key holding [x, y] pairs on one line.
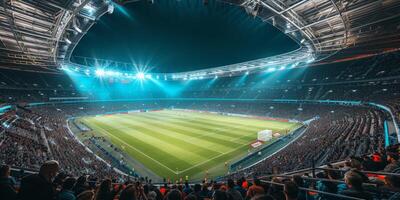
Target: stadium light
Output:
{"points": [[68, 41], [89, 8], [140, 75], [271, 69], [100, 72]]}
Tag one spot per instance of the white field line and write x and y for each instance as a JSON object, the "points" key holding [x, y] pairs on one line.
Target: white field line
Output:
{"points": [[217, 130], [217, 156], [198, 164], [107, 133], [203, 134], [178, 137]]}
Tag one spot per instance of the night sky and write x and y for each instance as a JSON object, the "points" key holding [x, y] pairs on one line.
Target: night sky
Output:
{"points": [[174, 36]]}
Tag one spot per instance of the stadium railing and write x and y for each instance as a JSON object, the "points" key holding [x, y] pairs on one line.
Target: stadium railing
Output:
{"points": [[313, 191]]}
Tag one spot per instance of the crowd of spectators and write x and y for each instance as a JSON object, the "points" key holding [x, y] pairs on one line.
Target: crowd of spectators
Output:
{"points": [[352, 178], [338, 133]]}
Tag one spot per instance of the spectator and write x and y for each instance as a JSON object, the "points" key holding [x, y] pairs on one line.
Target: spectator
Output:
{"points": [[187, 190], [255, 189], [80, 185], [298, 180], [152, 195], [104, 191], [197, 190], [129, 193], [275, 190], [393, 160], [220, 195], [232, 192], [354, 183], [174, 195], [291, 190], [7, 190], [39, 186], [328, 186], [190, 197], [239, 186], [205, 193], [67, 193], [263, 197], [393, 184], [86, 195]]}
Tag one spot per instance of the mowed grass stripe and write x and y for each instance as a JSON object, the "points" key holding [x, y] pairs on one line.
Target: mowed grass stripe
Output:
{"points": [[237, 129], [261, 124], [154, 163], [147, 145], [166, 132], [214, 134], [205, 122], [158, 137], [218, 132], [169, 141]]}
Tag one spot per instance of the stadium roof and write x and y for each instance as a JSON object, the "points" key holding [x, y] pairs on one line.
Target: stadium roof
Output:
{"points": [[41, 34]]}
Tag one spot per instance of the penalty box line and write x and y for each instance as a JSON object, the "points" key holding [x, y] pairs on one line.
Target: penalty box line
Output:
{"points": [[107, 133], [173, 171]]}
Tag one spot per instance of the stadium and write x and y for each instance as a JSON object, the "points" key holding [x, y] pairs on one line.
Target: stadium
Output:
{"points": [[200, 99]]}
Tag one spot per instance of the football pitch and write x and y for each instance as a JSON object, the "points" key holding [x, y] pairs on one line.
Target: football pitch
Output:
{"points": [[176, 143]]}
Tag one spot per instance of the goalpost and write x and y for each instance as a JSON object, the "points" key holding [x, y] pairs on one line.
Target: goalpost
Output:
{"points": [[264, 135]]}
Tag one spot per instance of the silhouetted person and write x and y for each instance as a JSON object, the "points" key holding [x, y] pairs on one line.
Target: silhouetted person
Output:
{"points": [[354, 183], [291, 191], [232, 192], [129, 193], [66, 192], [394, 163], [7, 190], [105, 192], [255, 189], [39, 186]]}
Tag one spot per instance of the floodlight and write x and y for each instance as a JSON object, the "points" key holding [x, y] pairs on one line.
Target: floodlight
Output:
{"points": [[89, 8], [68, 41], [271, 69], [99, 72], [140, 75]]}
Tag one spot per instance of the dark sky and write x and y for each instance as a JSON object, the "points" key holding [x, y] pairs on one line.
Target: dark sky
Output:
{"points": [[174, 36]]}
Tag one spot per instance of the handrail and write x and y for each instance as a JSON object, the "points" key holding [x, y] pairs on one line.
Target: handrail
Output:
{"points": [[316, 191], [366, 172], [322, 179]]}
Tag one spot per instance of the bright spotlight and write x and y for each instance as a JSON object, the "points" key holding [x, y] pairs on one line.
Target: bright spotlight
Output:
{"points": [[100, 72], [68, 41], [271, 69], [140, 75]]}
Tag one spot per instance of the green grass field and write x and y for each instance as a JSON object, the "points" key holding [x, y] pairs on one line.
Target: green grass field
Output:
{"points": [[175, 144]]}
